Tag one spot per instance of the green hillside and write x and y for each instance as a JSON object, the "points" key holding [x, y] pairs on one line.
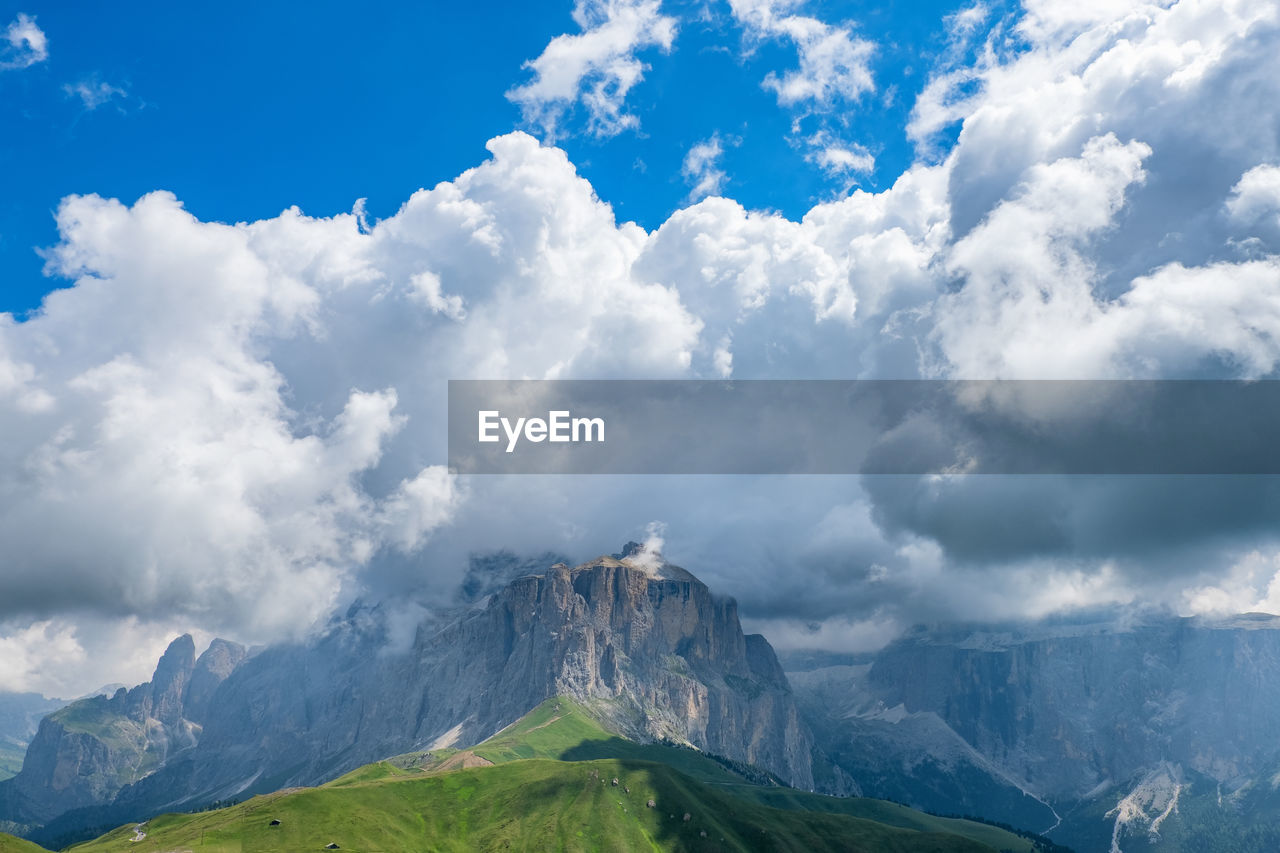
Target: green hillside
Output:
{"points": [[536, 804], [561, 729], [548, 783], [9, 844]]}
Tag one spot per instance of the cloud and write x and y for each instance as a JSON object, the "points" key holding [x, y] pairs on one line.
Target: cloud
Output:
{"points": [[967, 21], [649, 556], [1028, 273], [93, 92], [23, 44], [597, 67], [1251, 585], [166, 441], [701, 168], [1256, 196], [834, 71], [28, 650], [243, 424], [839, 634], [834, 63], [72, 654], [837, 158]]}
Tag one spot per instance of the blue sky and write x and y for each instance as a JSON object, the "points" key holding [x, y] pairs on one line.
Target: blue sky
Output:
{"points": [[246, 109]]}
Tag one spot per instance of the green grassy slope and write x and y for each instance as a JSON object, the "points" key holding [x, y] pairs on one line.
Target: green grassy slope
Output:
{"points": [[883, 811], [9, 844], [551, 786], [559, 728], [563, 730], [536, 804]]}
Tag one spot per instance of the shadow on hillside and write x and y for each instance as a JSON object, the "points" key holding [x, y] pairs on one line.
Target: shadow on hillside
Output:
{"points": [[690, 814], [702, 766]]}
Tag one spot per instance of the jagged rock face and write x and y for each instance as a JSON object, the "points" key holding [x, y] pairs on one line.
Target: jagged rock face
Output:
{"points": [[1084, 718], [673, 656], [657, 655], [163, 700], [1069, 713], [908, 757], [86, 752], [213, 667]]}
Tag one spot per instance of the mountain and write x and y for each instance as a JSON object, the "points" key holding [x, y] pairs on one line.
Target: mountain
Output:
{"points": [[556, 779], [84, 753], [648, 648], [1155, 734], [20, 715]]}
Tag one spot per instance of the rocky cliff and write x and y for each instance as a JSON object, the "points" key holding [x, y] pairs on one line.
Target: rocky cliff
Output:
{"points": [[86, 752], [20, 715], [1108, 724]]}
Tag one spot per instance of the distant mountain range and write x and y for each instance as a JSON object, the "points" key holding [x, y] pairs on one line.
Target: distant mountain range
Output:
{"points": [[1158, 734], [1155, 734]]}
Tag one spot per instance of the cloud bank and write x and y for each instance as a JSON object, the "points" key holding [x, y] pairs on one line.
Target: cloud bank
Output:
{"points": [[236, 427]]}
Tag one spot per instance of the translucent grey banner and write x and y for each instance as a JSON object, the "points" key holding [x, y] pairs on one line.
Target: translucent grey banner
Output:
{"points": [[863, 427]]}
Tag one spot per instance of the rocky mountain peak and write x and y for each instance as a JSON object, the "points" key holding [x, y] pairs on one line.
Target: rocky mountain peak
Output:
{"points": [[648, 642], [169, 682], [644, 558], [85, 753], [212, 668], [631, 549]]}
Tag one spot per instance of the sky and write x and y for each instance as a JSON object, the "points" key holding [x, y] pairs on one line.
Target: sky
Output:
{"points": [[242, 250]]}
